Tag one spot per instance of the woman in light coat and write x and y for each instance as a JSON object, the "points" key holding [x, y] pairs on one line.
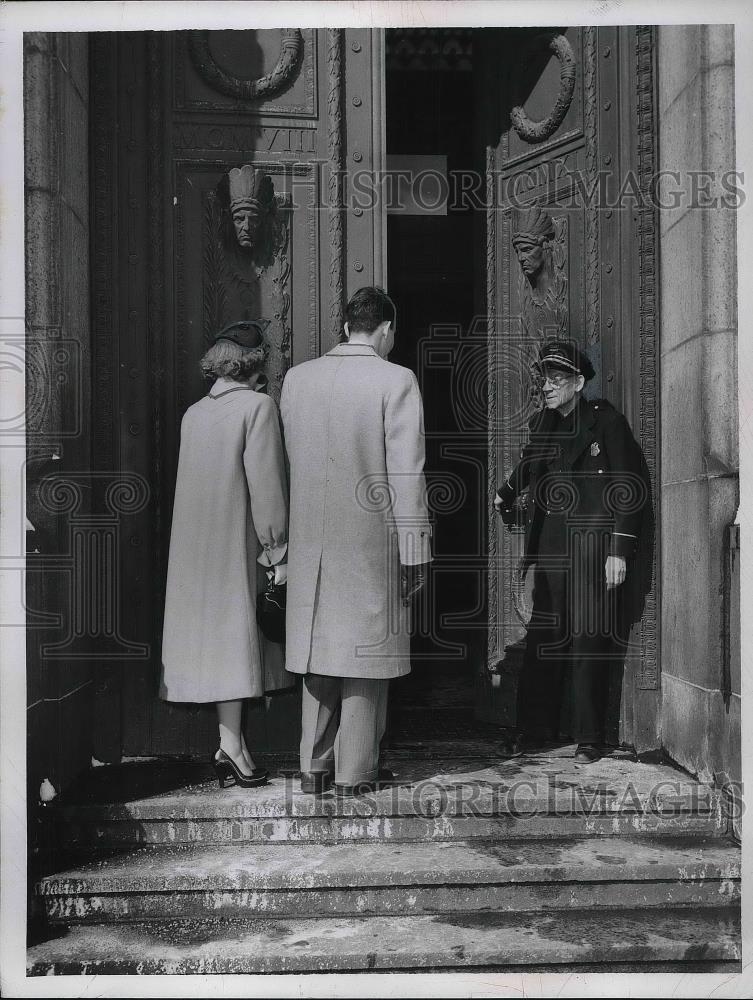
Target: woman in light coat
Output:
{"points": [[229, 529]]}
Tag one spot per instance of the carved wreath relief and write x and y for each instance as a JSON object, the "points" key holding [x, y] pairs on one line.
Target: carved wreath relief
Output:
{"points": [[246, 88], [539, 131], [246, 240]]}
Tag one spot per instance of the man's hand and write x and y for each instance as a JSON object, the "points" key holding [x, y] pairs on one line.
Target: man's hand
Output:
{"points": [[615, 569], [412, 580]]}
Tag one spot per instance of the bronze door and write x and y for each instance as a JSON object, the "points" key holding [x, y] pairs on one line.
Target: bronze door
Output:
{"points": [[569, 139], [218, 175]]}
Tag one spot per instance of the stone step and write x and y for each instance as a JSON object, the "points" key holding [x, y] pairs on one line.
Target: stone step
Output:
{"points": [[621, 938], [282, 880], [521, 798], [335, 829]]}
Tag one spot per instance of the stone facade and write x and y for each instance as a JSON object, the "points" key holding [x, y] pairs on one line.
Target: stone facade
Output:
{"points": [[699, 427]]}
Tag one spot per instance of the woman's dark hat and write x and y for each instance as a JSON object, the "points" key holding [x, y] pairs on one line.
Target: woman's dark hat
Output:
{"points": [[566, 356], [247, 333]]}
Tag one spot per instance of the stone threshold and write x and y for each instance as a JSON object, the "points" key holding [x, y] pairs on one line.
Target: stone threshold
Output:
{"points": [[425, 787]]}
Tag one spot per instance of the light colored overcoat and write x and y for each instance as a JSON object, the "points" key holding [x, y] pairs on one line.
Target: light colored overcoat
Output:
{"points": [[353, 426], [229, 521]]}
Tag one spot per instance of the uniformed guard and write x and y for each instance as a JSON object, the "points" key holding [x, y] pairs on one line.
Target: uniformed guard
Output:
{"points": [[582, 470]]}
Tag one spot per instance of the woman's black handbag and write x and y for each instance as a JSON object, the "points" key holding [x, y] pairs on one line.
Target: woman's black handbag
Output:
{"points": [[270, 609]]}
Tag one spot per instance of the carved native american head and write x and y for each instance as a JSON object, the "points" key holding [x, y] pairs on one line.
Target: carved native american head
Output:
{"points": [[533, 240], [251, 197]]}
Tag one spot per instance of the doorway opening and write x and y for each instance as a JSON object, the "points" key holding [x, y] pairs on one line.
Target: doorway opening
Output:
{"points": [[434, 250]]}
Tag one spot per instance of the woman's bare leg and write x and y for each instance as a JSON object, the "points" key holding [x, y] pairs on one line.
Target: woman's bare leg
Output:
{"points": [[229, 715]]}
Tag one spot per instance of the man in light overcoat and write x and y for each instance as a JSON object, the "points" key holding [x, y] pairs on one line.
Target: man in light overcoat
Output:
{"points": [[359, 537]]}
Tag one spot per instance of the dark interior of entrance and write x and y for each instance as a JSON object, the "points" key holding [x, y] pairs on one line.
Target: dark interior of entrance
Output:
{"points": [[432, 267]]}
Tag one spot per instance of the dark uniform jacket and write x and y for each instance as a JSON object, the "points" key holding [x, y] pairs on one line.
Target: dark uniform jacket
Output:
{"points": [[586, 466]]}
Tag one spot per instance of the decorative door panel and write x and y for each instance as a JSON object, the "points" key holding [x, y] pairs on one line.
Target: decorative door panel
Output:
{"points": [[572, 129], [239, 280], [221, 172]]}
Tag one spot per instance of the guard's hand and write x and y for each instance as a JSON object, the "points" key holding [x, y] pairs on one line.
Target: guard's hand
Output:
{"points": [[412, 580], [508, 514], [616, 570]]}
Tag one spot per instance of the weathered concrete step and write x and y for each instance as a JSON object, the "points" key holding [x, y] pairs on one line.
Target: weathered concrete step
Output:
{"points": [[519, 798], [107, 833], [374, 879], [470, 940]]}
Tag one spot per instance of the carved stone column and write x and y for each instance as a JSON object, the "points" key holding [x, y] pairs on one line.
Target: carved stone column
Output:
{"points": [[698, 419], [56, 95]]}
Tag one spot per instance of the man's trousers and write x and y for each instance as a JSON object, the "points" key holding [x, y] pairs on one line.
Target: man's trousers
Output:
{"points": [[342, 724], [573, 634]]}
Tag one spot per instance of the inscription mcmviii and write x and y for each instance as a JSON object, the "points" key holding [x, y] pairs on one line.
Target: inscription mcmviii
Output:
{"points": [[244, 138]]}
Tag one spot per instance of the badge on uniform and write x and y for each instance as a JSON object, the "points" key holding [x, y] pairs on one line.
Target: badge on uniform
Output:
{"points": [[595, 449]]}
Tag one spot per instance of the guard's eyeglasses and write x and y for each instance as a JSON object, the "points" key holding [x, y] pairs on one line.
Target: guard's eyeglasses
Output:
{"points": [[557, 379]]}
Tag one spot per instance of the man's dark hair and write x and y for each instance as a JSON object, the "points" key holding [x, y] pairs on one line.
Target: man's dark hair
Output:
{"points": [[368, 307]]}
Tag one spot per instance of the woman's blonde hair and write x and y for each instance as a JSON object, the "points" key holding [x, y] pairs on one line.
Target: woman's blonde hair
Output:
{"points": [[227, 360]]}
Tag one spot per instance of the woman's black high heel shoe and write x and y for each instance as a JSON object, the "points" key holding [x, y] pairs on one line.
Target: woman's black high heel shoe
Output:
{"points": [[228, 771]]}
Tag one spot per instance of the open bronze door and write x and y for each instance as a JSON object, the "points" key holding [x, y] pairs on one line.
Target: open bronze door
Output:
{"points": [[174, 114], [569, 137]]}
